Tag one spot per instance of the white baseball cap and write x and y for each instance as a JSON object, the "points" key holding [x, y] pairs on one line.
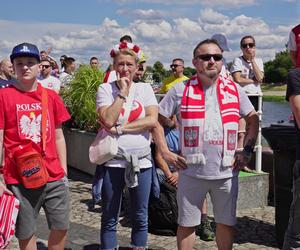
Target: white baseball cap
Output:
{"points": [[222, 41]]}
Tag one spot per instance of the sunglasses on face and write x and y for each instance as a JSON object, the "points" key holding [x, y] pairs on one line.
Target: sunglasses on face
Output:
{"points": [[174, 66], [207, 57], [45, 66], [248, 45]]}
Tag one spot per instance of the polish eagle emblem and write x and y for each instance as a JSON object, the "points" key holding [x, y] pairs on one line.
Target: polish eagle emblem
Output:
{"points": [[31, 126]]}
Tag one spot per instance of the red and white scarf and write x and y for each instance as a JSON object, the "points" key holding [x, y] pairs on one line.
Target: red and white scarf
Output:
{"points": [[193, 118], [9, 208]]}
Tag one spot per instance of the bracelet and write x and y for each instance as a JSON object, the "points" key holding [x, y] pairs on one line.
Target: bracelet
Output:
{"points": [[122, 97]]}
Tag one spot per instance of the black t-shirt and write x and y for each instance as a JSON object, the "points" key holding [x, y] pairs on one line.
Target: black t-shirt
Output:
{"points": [[293, 88]]}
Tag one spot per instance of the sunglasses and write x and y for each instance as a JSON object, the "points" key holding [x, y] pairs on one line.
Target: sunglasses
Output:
{"points": [[207, 57], [175, 65], [45, 66], [248, 45]]}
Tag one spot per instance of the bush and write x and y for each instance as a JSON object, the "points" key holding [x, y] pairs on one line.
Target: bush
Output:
{"points": [[80, 98]]}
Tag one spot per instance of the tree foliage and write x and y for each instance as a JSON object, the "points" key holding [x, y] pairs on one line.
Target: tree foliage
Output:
{"points": [[159, 71], [276, 70]]}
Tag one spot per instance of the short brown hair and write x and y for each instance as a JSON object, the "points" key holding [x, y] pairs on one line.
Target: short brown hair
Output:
{"points": [[206, 41]]}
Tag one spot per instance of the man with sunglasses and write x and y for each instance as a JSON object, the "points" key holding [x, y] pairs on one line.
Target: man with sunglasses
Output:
{"points": [[46, 79], [248, 71], [207, 107], [177, 76]]}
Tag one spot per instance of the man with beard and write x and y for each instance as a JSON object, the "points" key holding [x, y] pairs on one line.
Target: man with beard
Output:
{"points": [[177, 76], [208, 108]]}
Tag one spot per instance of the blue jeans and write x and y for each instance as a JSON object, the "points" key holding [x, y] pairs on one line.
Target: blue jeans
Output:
{"points": [[113, 185], [97, 184]]}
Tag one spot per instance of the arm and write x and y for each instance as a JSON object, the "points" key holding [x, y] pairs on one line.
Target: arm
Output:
{"points": [[294, 101], [241, 80], [243, 157], [293, 56], [161, 163], [144, 124], [162, 147], [109, 114], [61, 148], [259, 75], [3, 188]]}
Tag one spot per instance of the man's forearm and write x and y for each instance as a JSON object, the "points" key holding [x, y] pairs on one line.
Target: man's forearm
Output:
{"points": [[252, 126]]}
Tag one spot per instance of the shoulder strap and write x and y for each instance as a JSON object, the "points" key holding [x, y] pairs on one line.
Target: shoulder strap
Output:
{"points": [[44, 118]]}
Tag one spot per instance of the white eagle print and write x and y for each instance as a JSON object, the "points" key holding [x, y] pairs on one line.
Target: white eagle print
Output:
{"points": [[31, 126]]}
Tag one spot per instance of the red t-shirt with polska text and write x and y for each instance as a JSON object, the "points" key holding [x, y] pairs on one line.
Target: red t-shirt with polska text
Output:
{"points": [[20, 119]]}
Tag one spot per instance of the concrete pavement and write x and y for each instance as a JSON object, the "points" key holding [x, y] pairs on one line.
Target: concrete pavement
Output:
{"points": [[255, 228]]}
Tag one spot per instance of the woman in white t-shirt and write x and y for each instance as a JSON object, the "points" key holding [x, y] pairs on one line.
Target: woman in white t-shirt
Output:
{"points": [[248, 71], [129, 110]]}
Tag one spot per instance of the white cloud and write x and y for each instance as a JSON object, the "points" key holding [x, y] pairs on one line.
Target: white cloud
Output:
{"points": [[212, 17], [161, 40], [149, 14]]}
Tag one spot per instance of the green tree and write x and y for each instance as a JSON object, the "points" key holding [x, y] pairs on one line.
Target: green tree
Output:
{"points": [[277, 69], [188, 71], [159, 71]]}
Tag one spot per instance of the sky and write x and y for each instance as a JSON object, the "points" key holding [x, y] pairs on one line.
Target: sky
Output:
{"points": [[164, 29]]}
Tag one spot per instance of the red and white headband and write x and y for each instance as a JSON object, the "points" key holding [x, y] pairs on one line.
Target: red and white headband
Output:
{"points": [[123, 45]]}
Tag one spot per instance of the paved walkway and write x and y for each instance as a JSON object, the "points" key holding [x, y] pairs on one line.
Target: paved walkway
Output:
{"points": [[255, 228]]}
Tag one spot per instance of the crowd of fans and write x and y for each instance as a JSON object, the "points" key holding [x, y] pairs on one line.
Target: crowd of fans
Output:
{"points": [[197, 139]]}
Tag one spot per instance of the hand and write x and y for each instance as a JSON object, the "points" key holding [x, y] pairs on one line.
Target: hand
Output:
{"points": [[173, 178], [241, 159], [251, 55], [124, 84], [3, 189], [174, 160]]}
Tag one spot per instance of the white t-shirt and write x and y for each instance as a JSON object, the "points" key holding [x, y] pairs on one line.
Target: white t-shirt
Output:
{"points": [[136, 142], [65, 78], [213, 130], [241, 65], [50, 82]]}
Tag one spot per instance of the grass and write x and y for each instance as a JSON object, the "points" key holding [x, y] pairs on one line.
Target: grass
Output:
{"points": [[273, 98], [273, 87]]}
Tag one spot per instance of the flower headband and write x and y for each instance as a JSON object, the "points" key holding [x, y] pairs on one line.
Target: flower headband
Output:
{"points": [[123, 45]]}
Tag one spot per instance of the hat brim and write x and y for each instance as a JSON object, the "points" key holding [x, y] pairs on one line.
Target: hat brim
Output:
{"points": [[25, 54]]}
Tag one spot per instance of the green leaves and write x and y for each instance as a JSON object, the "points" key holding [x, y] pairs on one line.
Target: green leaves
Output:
{"points": [[80, 98]]}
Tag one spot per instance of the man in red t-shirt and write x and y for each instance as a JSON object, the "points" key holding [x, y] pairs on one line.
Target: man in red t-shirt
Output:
{"points": [[20, 121]]}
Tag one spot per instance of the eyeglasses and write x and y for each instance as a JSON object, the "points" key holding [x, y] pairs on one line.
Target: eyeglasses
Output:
{"points": [[175, 66], [207, 57], [248, 45], [45, 66]]}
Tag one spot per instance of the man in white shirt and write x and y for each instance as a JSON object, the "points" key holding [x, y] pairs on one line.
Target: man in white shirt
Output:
{"points": [[46, 79]]}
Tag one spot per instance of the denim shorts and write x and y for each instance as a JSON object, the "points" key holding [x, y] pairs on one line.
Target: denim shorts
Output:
{"points": [[53, 197]]}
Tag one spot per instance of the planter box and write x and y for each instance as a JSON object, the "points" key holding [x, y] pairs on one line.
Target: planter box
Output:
{"points": [[78, 143]]}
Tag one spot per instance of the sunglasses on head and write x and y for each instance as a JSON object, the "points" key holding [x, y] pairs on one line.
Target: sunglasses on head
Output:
{"points": [[45, 66], [248, 45], [207, 57], [174, 65]]}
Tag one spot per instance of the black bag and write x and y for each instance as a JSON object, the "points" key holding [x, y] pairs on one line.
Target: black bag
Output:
{"points": [[163, 213]]}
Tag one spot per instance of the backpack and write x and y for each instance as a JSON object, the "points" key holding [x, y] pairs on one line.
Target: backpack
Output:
{"points": [[163, 212]]}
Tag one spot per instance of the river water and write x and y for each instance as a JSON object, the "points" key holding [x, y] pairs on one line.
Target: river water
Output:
{"points": [[274, 112]]}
